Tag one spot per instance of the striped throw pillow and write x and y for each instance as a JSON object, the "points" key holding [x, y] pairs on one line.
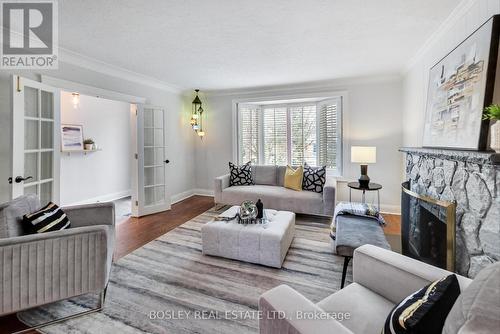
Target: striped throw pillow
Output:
{"points": [[49, 218], [425, 310]]}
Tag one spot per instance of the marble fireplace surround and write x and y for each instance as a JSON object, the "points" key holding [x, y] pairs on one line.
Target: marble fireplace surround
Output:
{"points": [[472, 180]]}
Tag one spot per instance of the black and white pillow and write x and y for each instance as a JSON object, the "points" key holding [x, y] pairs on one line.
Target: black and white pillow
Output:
{"points": [[314, 179], [240, 175], [424, 311], [49, 218]]}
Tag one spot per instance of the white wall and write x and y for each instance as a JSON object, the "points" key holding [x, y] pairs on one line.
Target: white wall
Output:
{"points": [[462, 22], [103, 175], [372, 117], [181, 148]]}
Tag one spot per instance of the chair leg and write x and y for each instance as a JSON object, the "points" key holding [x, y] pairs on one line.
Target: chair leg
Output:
{"points": [[344, 271], [102, 298]]}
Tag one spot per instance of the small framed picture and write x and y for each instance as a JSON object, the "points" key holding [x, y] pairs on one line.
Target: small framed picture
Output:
{"points": [[71, 137]]}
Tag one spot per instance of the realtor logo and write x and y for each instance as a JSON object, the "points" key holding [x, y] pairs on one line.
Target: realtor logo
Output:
{"points": [[29, 34]]}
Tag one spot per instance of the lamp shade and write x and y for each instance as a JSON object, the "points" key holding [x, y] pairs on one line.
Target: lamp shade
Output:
{"points": [[364, 154]]}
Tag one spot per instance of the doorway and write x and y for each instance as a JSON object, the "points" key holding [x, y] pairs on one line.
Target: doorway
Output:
{"points": [[128, 160]]}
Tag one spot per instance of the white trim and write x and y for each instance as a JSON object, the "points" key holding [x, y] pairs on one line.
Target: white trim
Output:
{"points": [[189, 193], [390, 209], [103, 198], [72, 86], [181, 196], [203, 192], [74, 58], [312, 87], [460, 10]]}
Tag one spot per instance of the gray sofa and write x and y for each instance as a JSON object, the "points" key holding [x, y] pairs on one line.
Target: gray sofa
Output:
{"points": [[382, 278], [38, 269], [269, 188]]}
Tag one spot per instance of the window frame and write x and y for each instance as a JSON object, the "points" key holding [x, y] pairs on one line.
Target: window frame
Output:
{"points": [[340, 96]]}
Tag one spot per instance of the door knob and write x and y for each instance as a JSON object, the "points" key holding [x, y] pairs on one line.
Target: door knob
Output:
{"points": [[167, 161], [20, 179]]}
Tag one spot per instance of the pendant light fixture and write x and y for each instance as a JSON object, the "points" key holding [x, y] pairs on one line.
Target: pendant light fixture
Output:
{"points": [[196, 121]]}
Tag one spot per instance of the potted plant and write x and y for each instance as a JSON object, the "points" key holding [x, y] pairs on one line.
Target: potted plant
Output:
{"points": [[492, 113], [88, 144]]}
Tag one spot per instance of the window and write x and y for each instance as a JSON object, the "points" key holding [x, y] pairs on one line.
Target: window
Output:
{"points": [[249, 133], [275, 139], [291, 133]]}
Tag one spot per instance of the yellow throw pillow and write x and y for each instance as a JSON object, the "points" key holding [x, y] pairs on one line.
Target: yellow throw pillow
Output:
{"points": [[293, 178]]}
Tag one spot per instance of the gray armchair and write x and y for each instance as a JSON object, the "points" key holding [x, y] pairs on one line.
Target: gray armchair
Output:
{"points": [[38, 269]]}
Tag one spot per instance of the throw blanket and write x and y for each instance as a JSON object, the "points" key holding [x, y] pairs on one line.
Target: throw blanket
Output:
{"points": [[356, 209]]}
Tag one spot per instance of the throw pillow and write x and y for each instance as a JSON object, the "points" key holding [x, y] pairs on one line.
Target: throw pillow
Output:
{"points": [[424, 311], [240, 175], [314, 179], [49, 218], [293, 178]]}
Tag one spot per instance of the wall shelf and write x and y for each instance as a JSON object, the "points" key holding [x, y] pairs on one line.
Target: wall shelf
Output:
{"points": [[81, 151]]}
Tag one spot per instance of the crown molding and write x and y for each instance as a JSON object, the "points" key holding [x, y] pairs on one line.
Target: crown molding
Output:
{"points": [[460, 10], [74, 58], [306, 86]]}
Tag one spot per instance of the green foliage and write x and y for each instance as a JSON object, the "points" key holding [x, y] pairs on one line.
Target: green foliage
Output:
{"points": [[88, 141], [492, 112]]}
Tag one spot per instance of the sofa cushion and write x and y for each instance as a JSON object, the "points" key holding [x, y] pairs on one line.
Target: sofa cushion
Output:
{"points": [[425, 310], [293, 178], [264, 175], [477, 308], [314, 178], [367, 309], [11, 215], [240, 175], [47, 219], [273, 197], [280, 175]]}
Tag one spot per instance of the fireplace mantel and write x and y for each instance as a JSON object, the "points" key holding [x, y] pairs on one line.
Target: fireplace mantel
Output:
{"points": [[477, 157]]}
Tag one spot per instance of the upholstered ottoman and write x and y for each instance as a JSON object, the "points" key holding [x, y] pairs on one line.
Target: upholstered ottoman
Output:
{"points": [[265, 244]]}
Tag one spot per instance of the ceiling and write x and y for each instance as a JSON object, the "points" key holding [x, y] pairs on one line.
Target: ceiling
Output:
{"points": [[225, 44]]}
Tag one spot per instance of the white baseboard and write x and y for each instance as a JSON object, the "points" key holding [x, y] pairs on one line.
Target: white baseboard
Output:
{"points": [[102, 198], [203, 192], [181, 196], [188, 193], [390, 209]]}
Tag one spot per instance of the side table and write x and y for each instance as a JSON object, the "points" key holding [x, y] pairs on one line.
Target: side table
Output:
{"points": [[371, 187]]}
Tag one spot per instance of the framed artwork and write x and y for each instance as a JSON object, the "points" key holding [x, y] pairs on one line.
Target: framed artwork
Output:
{"points": [[71, 137], [461, 85]]}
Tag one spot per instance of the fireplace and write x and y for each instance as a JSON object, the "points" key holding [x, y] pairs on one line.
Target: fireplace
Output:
{"points": [[428, 228]]}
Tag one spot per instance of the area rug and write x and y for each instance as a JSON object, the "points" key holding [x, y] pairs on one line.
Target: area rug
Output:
{"points": [[168, 286]]}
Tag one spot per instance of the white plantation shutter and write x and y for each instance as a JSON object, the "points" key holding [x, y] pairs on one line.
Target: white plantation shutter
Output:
{"points": [[329, 133], [249, 133], [303, 135], [280, 134], [274, 135]]}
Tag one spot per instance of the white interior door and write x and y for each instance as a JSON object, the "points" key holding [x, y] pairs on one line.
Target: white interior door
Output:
{"points": [[36, 140], [150, 162]]}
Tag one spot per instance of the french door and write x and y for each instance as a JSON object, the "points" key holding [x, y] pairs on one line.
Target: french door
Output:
{"points": [[150, 162], [36, 140]]}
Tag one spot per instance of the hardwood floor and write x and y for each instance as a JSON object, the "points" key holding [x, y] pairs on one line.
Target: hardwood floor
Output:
{"points": [[136, 232]]}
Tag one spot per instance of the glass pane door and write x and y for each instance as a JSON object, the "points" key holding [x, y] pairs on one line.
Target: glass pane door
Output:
{"points": [[35, 145], [38, 143], [151, 161], [154, 157]]}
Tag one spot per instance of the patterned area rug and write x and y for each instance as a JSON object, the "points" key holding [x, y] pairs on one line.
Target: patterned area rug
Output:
{"points": [[191, 293]]}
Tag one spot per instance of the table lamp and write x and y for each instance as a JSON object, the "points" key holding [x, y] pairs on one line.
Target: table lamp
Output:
{"points": [[364, 155]]}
